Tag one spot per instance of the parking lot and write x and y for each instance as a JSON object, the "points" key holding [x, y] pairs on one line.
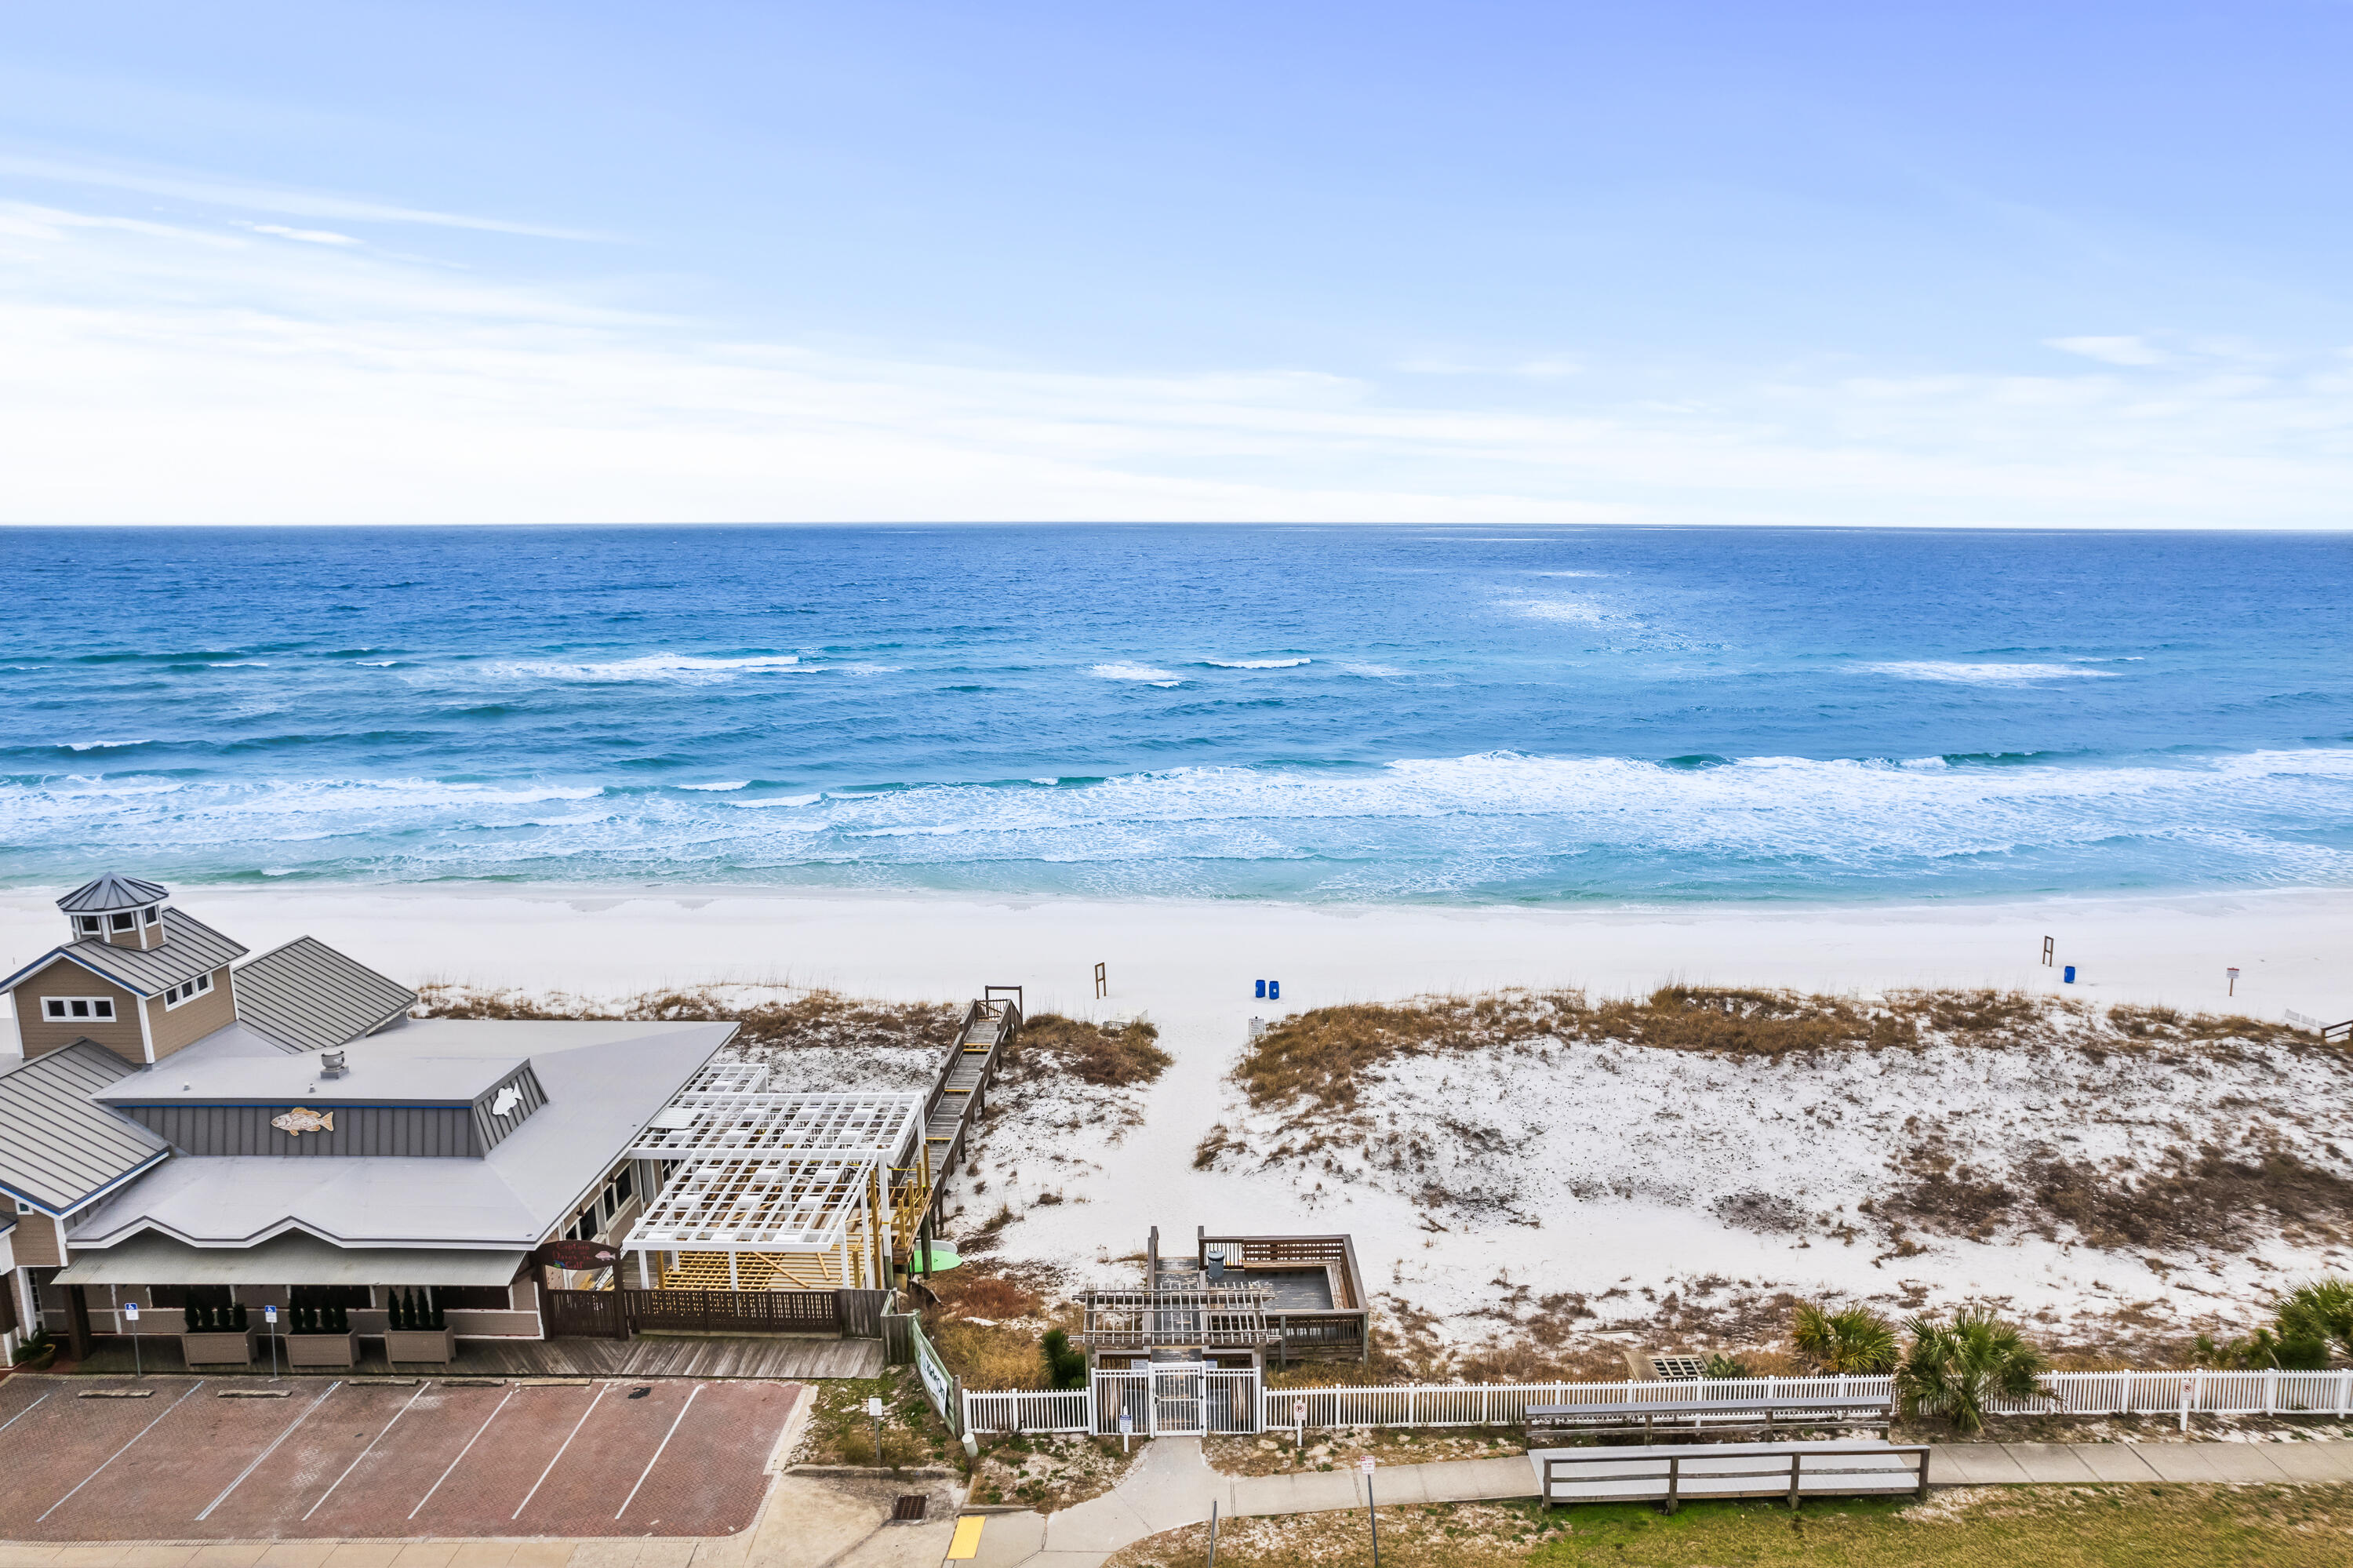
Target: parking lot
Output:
{"points": [[196, 1459]]}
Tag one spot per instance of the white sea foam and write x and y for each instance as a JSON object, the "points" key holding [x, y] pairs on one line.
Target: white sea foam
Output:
{"points": [[679, 667], [736, 784], [1257, 664], [1374, 672], [1576, 612], [103, 744], [1961, 675], [1145, 673]]}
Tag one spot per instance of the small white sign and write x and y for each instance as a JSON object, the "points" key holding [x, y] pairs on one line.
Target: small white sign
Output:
{"points": [[1126, 1426], [131, 1310], [1298, 1412], [1366, 1464], [874, 1407], [269, 1314]]}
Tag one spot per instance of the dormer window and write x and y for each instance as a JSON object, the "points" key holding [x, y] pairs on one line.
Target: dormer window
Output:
{"points": [[180, 993], [72, 1007], [123, 920], [88, 924], [150, 914]]}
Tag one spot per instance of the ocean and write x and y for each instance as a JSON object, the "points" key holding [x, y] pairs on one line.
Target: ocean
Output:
{"points": [[1326, 714]]}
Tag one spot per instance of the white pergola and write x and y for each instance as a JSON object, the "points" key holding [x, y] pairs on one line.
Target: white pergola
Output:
{"points": [[762, 1171]]}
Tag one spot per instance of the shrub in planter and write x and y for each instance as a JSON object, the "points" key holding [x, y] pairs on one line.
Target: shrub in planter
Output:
{"points": [[236, 1316], [36, 1351]]}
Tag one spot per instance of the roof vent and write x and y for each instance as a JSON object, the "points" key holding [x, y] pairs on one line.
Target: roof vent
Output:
{"points": [[332, 1064]]}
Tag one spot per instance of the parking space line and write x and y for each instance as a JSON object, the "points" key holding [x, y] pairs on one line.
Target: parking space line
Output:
{"points": [[468, 1448], [119, 1451], [367, 1451], [559, 1453], [266, 1452], [22, 1414], [657, 1453]]}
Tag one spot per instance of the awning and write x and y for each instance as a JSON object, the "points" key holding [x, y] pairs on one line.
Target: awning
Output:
{"points": [[289, 1259]]}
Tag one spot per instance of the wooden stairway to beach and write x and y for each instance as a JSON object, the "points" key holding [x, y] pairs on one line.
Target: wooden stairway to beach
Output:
{"points": [[960, 1093]]}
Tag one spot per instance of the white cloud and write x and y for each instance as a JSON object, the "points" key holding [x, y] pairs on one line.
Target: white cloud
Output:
{"points": [[2112, 350], [150, 372], [214, 192], [308, 235]]}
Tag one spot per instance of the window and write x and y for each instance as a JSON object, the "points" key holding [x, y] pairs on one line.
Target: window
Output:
{"points": [[88, 925], [122, 921], [151, 915], [350, 1297], [72, 1007], [182, 992]]}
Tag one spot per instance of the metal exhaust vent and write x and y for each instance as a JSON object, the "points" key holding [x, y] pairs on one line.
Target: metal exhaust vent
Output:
{"points": [[332, 1064]]}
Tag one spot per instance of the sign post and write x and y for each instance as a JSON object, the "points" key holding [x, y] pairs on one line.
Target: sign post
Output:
{"points": [[1372, 1518], [131, 1316], [269, 1320], [874, 1413], [1298, 1425], [2233, 973], [1126, 1430]]}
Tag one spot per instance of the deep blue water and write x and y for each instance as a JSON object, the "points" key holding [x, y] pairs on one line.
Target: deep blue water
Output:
{"points": [[1291, 712]]}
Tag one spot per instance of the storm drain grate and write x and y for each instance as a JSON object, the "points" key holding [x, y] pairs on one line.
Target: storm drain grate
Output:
{"points": [[910, 1508], [1677, 1369]]}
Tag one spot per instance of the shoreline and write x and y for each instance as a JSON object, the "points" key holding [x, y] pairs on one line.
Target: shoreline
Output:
{"points": [[1180, 958]]}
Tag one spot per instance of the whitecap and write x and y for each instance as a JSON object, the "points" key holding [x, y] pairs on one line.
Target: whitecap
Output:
{"points": [[1257, 664], [682, 667], [777, 800], [1576, 611], [1130, 672], [1374, 672], [737, 784], [103, 744], [1952, 672]]}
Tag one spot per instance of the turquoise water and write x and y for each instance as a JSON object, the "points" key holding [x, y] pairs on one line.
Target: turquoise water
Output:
{"points": [[1364, 713]]}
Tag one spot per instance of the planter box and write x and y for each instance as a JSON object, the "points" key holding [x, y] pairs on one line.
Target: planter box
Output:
{"points": [[216, 1347], [322, 1349], [38, 1363], [438, 1345]]}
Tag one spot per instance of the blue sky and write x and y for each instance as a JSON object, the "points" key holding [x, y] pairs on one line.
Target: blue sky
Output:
{"points": [[2050, 265]]}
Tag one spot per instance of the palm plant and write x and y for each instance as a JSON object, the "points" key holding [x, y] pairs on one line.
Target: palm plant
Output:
{"points": [[1953, 1369], [1850, 1340], [2316, 1315]]}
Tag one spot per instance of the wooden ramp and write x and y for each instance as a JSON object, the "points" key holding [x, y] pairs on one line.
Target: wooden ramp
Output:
{"points": [[960, 1093]]}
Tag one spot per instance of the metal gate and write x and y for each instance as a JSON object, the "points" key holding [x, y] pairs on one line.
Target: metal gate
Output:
{"points": [[1177, 1399]]}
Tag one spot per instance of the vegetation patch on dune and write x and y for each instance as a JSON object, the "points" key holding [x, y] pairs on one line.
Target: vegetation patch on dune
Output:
{"points": [[1319, 1058], [1109, 1056]]}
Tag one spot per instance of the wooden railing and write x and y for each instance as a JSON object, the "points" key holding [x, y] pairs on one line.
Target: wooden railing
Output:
{"points": [[618, 1314]]}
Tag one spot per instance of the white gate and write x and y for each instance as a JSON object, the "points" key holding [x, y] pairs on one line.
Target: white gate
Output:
{"points": [[1177, 1399]]}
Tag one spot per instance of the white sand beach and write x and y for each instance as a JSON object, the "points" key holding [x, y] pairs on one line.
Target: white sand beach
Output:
{"points": [[1190, 968]]}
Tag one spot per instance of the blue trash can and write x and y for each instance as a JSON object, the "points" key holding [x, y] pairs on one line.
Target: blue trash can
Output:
{"points": [[2069, 977], [1262, 990], [1274, 990]]}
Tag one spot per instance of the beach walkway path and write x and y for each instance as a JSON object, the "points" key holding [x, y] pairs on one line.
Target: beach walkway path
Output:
{"points": [[1171, 1486]]}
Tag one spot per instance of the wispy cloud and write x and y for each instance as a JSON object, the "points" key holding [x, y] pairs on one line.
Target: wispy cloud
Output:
{"points": [[308, 235], [162, 372], [255, 198], [2131, 351]]}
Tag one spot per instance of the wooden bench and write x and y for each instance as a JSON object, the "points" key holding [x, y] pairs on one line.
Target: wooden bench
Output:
{"points": [[1686, 1417], [1671, 1474]]}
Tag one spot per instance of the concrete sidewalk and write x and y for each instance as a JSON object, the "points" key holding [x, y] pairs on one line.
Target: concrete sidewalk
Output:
{"points": [[1172, 1485]]}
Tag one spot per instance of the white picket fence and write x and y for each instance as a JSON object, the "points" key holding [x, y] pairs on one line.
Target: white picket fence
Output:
{"points": [[2180, 1394]]}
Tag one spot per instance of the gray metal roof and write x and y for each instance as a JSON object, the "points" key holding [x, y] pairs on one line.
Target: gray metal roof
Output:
{"points": [[57, 1148], [189, 949], [307, 995], [604, 1081], [376, 1076], [289, 1259], [112, 891]]}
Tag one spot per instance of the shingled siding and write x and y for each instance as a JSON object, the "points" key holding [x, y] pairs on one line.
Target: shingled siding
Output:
{"points": [[427, 1131], [65, 978]]}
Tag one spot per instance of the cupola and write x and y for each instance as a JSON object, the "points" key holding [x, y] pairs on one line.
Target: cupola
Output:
{"points": [[120, 911]]}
